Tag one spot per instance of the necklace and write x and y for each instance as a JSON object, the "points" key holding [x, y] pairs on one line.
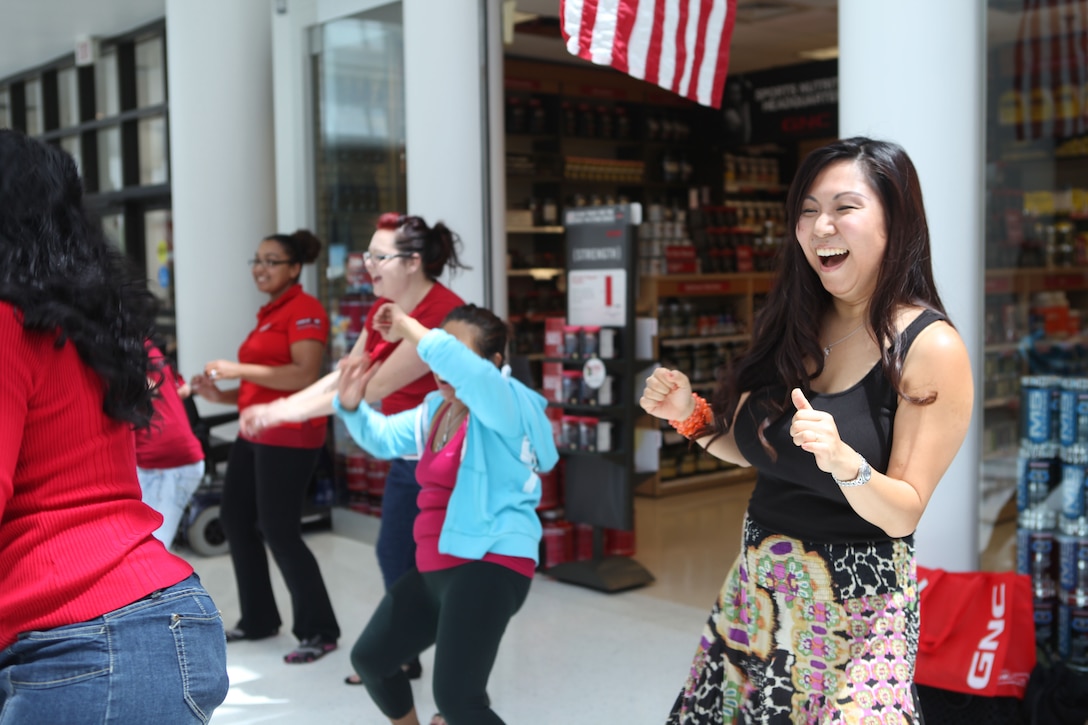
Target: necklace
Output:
{"points": [[827, 348], [450, 417]]}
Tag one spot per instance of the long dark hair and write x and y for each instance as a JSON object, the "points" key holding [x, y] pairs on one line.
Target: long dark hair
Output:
{"points": [[65, 279], [437, 246], [786, 332]]}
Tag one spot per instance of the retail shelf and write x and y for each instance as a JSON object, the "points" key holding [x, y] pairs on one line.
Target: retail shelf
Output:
{"points": [[1002, 347], [1001, 402], [536, 230], [537, 272], [655, 486], [702, 340]]}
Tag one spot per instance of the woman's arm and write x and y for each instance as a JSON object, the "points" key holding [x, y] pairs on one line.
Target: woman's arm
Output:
{"points": [[668, 395], [303, 370], [925, 440], [205, 388]]}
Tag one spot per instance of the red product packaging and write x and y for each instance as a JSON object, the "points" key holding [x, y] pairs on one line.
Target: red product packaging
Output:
{"points": [[558, 542], [378, 471], [553, 336], [552, 381], [977, 632], [358, 471], [619, 543], [583, 542], [549, 490]]}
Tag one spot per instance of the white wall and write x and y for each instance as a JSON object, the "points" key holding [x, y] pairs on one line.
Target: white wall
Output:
{"points": [[443, 77], [219, 66], [913, 73]]}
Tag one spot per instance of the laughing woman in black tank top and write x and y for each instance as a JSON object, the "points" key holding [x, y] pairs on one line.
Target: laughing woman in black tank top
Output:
{"points": [[851, 401]]}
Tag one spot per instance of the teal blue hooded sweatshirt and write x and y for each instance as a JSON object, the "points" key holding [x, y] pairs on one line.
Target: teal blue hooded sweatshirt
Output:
{"points": [[508, 442]]}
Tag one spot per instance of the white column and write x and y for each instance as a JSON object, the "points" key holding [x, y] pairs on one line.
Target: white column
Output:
{"points": [[219, 66], [922, 86], [444, 82]]}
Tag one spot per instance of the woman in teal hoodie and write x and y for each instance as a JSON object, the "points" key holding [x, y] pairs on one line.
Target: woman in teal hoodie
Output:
{"points": [[482, 439]]}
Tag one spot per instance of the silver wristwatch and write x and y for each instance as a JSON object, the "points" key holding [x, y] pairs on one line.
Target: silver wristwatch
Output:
{"points": [[865, 472]]}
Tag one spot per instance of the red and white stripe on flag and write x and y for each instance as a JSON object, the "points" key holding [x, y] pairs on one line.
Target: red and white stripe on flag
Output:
{"points": [[680, 45]]}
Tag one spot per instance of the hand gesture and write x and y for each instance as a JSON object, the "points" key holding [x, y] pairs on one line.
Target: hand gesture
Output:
{"points": [[668, 395], [255, 419], [388, 321], [222, 370], [815, 431], [355, 372], [203, 386]]}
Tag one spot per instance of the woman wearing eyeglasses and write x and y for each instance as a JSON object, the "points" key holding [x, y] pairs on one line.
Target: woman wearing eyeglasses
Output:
{"points": [[267, 478], [405, 259]]}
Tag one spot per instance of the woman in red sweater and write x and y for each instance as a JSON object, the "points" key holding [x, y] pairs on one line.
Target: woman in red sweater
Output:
{"points": [[99, 622]]}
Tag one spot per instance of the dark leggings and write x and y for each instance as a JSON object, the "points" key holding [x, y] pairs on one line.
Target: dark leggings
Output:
{"points": [[262, 504], [463, 611]]}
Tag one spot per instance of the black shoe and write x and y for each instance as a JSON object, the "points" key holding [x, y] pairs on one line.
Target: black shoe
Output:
{"points": [[237, 634], [413, 669]]}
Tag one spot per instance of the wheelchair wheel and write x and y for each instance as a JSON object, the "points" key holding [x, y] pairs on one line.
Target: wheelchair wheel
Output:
{"points": [[205, 534]]}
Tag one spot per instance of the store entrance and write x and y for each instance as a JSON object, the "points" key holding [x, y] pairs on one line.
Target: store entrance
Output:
{"points": [[711, 186]]}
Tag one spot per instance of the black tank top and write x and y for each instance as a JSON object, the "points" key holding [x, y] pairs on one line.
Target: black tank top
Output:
{"points": [[794, 497]]}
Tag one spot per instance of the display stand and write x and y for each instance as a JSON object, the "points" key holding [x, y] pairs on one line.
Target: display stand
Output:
{"points": [[602, 276]]}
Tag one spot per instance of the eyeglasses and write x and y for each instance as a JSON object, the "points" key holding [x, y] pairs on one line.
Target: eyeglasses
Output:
{"points": [[379, 258], [267, 263]]}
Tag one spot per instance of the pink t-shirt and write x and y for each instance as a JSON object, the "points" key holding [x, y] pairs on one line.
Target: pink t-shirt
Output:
{"points": [[437, 475]]}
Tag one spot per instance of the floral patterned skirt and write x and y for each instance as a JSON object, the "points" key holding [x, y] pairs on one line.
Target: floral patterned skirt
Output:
{"points": [[808, 634]]}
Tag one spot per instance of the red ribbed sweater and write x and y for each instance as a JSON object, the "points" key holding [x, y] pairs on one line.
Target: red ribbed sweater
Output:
{"points": [[75, 538]]}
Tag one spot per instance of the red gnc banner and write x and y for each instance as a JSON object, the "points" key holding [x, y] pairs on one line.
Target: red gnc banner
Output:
{"points": [[977, 632]]}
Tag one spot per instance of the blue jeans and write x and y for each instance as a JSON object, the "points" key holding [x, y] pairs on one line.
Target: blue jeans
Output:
{"points": [[168, 490], [396, 547], [161, 659]]}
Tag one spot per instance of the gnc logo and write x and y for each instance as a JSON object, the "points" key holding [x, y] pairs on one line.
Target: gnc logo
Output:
{"points": [[982, 661]]}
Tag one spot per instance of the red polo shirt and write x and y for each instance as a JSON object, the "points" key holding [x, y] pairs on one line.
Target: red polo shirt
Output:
{"points": [[430, 312], [290, 318]]}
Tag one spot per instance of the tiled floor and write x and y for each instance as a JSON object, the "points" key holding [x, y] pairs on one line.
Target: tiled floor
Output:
{"points": [[572, 656]]}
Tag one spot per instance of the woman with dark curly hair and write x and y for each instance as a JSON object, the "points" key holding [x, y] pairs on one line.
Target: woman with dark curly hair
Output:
{"points": [[266, 482], [99, 620]]}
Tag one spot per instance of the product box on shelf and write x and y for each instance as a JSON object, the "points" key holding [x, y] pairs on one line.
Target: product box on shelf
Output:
{"points": [[553, 336]]}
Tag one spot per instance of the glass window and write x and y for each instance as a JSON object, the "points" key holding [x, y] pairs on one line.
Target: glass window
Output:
{"points": [[154, 167], [150, 73], [107, 87], [5, 108], [159, 253], [1035, 381], [68, 97], [113, 226], [35, 123], [110, 174], [72, 145]]}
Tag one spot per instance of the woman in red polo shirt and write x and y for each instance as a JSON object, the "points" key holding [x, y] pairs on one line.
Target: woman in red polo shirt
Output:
{"points": [[405, 258], [267, 479]]}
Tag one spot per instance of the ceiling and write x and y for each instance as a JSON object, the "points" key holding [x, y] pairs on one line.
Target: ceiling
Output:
{"points": [[34, 32], [768, 33]]}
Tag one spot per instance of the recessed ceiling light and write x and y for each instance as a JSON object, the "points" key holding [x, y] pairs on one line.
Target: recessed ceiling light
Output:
{"points": [[820, 53]]}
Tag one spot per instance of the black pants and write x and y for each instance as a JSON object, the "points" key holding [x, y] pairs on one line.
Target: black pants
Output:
{"points": [[463, 612], [262, 504]]}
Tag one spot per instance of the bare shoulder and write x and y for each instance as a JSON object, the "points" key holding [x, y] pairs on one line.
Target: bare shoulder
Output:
{"points": [[937, 360]]}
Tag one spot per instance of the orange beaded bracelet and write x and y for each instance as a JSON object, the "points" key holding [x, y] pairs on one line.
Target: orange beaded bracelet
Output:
{"points": [[696, 424]]}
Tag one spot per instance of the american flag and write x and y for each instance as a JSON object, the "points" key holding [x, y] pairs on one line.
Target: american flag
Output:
{"points": [[680, 45]]}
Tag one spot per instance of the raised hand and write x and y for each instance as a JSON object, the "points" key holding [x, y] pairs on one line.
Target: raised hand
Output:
{"points": [[667, 395], [387, 321], [203, 386], [815, 431], [355, 372]]}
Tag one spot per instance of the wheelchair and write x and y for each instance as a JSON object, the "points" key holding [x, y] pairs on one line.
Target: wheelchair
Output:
{"points": [[201, 528]]}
